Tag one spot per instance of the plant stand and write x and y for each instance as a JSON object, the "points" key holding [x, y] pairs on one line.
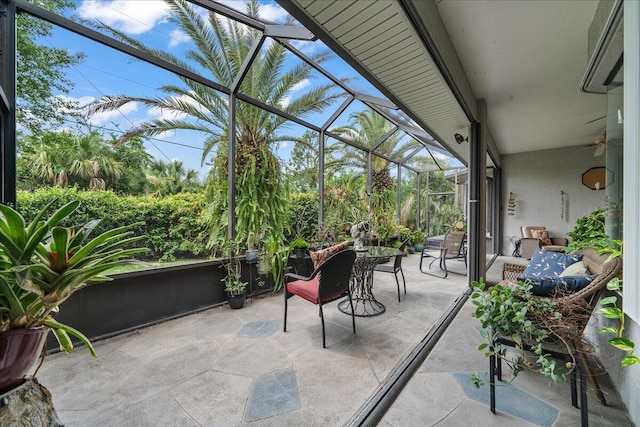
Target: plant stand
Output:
{"points": [[29, 401]]}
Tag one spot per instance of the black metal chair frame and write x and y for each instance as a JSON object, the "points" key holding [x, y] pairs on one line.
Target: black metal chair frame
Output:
{"points": [[395, 268], [333, 284], [582, 367], [452, 248]]}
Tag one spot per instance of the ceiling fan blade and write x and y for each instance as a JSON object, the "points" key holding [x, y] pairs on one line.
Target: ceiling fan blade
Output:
{"points": [[599, 151], [595, 120]]}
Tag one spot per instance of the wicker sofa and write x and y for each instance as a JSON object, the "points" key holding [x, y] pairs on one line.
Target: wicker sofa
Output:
{"points": [[596, 264]]}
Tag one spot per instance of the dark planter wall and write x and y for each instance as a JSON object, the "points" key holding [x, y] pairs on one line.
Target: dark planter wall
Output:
{"points": [[138, 299]]}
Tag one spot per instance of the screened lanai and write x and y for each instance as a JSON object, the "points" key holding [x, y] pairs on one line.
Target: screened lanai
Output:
{"points": [[404, 148], [411, 51]]}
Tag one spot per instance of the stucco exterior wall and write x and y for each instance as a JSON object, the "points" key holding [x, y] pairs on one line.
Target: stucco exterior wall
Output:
{"points": [[536, 180]]}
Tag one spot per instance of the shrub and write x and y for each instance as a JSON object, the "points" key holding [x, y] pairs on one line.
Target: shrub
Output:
{"points": [[173, 224]]}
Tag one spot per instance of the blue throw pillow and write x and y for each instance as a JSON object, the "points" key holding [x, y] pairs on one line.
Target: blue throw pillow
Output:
{"points": [[548, 286], [548, 264]]}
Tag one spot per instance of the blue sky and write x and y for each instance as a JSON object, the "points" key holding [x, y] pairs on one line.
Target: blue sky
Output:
{"points": [[108, 72]]}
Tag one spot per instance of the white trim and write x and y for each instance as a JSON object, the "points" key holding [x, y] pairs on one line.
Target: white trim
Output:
{"points": [[631, 233]]}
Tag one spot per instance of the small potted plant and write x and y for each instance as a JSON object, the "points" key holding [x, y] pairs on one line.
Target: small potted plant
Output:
{"points": [[41, 265], [236, 296], [418, 238], [299, 247], [233, 283]]}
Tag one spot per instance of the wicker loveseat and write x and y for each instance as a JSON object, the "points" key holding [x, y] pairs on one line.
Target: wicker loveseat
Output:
{"points": [[604, 272]]}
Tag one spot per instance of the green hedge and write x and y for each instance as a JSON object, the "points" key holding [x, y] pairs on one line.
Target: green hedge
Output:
{"points": [[173, 224]]}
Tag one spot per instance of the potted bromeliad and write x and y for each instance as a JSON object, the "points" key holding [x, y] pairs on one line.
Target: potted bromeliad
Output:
{"points": [[41, 265]]}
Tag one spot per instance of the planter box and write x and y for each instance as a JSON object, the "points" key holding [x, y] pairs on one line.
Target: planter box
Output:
{"points": [[142, 298]]}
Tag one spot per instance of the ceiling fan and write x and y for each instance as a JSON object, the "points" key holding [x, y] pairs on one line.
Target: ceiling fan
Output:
{"points": [[600, 144]]}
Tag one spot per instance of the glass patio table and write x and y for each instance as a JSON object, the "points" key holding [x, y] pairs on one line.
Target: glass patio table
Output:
{"points": [[364, 301]]}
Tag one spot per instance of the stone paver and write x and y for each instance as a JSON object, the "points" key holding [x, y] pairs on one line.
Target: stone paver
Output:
{"points": [[224, 367]]}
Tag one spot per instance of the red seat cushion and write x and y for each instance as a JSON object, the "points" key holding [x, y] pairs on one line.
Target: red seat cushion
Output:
{"points": [[308, 289]]}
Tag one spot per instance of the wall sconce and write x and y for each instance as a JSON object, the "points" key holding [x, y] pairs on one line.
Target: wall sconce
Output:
{"points": [[459, 138]]}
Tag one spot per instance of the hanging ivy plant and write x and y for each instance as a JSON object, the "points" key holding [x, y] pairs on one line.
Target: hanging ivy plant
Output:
{"points": [[511, 310]]}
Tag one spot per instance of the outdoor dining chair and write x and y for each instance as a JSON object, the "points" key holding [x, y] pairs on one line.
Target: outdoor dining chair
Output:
{"points": [[328, 282], [395, 268], [452, 248]]}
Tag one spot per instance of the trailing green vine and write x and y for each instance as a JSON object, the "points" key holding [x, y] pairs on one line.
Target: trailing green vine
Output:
{"points": [[609, 306], [511, 310]]}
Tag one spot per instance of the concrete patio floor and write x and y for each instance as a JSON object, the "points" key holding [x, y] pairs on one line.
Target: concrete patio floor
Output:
{"points": [[224, 367]]}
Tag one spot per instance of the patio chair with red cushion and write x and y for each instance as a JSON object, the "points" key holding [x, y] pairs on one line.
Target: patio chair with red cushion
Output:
{"points": [[328, 282]]}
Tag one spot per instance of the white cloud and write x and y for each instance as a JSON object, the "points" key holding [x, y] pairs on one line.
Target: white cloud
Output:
{"points": [[177, 37], [113, 115], [82, 102], [284, 102], [132, 17], [307, 47], [164, 114], [300, 85], [273, 13]]}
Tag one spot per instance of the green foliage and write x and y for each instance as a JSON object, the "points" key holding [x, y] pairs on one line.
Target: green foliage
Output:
{"points": [[278, 255], [42, 71], [405, 233], [171, 178], [302, 168], [231, 262], [417, 237], [588, 229], [299, 243], [611, 311], [302, 216], [173, 225], [221, 47], [134, 161], [67, 158], [44, 262], [443, 215], [513, 311]]}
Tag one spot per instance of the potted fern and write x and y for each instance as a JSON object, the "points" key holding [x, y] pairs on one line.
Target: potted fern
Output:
{"points": [[299, 246], [41, 265]]}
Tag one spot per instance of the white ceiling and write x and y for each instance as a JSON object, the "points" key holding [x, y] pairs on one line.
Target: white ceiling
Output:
{"points": [[526, 59]]}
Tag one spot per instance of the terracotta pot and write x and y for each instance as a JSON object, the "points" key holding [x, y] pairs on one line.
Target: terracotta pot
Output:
{"points": [[19, 351]]}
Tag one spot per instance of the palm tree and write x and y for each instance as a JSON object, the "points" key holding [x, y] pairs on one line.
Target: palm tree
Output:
{"points": [[220, 47], [366, 128], [171, 178], [62, 158]]}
